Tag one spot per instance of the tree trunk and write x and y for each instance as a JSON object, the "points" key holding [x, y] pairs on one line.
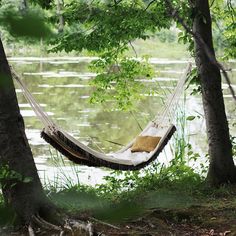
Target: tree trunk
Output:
{"points": [[61, 21], [21, 188], [221, 169]]}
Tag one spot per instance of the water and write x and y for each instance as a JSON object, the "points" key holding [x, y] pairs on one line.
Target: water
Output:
{"points": [[61, 86]]}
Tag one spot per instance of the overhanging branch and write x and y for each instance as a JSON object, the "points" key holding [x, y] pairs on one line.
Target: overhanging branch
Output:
{"points": [[174, 12]]}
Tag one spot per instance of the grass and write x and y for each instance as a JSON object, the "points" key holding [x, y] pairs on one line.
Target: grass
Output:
{"points": [[156, 201], [61, 180], [159, 200], [156, 204], [175, 207]]}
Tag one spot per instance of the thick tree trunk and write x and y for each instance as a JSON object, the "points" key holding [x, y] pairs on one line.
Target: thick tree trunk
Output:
{"points": [[27, 199], [221, 169]]}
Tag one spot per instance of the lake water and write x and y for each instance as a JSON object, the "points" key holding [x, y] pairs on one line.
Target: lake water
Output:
{"points": [[62, 87]]}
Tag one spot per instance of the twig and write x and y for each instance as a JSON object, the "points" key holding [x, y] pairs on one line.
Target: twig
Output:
{"points": [[104, 223], [116, 2], [231, 9], [139, 125], [212, 3], [149, 4], [132, 46], [109, 141], [116, 143]]}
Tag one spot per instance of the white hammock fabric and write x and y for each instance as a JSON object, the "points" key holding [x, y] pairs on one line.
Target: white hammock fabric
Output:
{"points": [[124, 159]]}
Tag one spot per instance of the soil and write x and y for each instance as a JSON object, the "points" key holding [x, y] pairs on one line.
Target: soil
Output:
{"points": [[197, 220], [211, 216]]}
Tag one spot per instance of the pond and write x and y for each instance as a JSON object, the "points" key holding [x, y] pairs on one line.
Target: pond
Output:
{"points": [[62, 87]]}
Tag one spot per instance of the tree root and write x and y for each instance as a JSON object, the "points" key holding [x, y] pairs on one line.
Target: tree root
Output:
{"points": [[44, 224], [70, 228], [104, 223], [82, 228], [31, 231]]}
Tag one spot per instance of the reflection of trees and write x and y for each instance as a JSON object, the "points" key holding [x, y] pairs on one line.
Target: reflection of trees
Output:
{"points": [[66, 103], [122, 127], [72, 112]]}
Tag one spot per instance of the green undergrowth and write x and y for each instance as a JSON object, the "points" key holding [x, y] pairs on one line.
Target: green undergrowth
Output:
{"points": [[175, 194], [132, 196], [174, 186], [6, 214]]}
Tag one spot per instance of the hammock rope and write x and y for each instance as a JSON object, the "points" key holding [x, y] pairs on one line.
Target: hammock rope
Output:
{"points": [[122, 159]]}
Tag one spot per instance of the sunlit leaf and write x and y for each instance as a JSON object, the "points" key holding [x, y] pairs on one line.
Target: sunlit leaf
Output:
{"points": [[190, 118]]}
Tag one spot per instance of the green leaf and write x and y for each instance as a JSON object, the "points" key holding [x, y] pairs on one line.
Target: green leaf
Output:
{"points": [[27, 179], [190, 118]]}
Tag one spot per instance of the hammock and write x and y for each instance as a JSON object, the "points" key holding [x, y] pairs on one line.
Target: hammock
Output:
{"points": [[123, 159]]}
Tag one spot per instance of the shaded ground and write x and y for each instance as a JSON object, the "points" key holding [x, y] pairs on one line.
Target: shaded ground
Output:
{"points": [[208, 215], [175, 213], [183, 222], [196, 220]]}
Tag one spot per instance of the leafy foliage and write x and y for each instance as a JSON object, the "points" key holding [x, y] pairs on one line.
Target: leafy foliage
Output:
{"points": [[103, 26], [118, 79], [175, 174], [233, 140], [30, 24], [108, 29], [45, 4], [224, 27], [10, 175], [194, 81]]}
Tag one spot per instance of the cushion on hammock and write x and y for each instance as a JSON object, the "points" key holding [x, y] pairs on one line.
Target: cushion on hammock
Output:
{"points": [[145, 143]]}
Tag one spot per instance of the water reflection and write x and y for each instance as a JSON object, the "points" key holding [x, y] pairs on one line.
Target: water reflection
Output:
{"points": [[61, 85]]}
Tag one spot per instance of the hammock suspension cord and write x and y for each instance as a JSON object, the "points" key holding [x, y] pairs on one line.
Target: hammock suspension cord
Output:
{"points": [[81, 154], [44, 117]]}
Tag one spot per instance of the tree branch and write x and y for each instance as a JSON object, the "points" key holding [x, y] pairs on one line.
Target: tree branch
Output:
{"points": [[133, 48], [231, 9], [213, 1], [116, 2], [174, 12], [149, 4]]}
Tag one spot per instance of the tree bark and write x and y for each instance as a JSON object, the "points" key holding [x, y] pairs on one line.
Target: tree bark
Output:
{"points": [[27, 199], [221, 169], [61, 22], [23, 6]]}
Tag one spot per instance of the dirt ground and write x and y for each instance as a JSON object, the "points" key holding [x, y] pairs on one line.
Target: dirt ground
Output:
{"points": [[197, 221], [194, 221], [213, 216]]}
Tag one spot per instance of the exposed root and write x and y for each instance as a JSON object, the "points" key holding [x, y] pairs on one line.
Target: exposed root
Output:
{"points": [[31, 231], [104, 223], [44, 224], [82, 228], [70, 228]]}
